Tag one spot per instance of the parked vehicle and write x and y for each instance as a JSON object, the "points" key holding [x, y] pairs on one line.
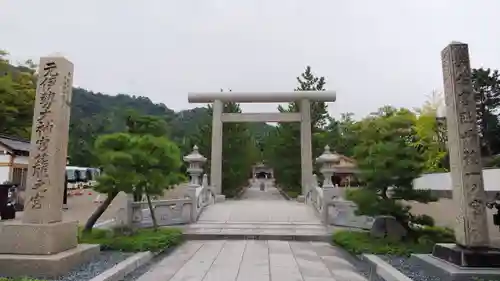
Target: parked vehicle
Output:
{"points": [[82, 177], [7, 201], [92, 174]]}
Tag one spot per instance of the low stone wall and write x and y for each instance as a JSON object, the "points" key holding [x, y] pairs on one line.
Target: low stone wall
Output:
{"points": [[167, 212], [442, 181], [343, 213], [184, 210], [444, 213]]}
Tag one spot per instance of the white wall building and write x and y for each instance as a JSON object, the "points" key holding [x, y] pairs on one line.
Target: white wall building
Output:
{"points": [[14, 157]]}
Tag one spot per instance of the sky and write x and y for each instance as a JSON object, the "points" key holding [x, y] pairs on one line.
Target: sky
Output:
{"points": [[372, 53]]}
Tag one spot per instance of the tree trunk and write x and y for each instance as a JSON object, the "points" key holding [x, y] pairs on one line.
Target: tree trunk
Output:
{"points": [[65, 194], [383, 193], [137, 196], [98, 212], [153, 216]]}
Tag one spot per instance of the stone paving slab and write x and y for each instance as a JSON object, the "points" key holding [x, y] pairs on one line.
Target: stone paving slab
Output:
{"points": [[259, 206], [254, 218], [270, 211], [259, 231], [256, 225], [250, 260], [253, 192], [249, 236]]}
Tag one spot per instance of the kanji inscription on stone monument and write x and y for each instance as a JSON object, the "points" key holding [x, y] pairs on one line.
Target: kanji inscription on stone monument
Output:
{"points": [[44, 192], [471, 229]]}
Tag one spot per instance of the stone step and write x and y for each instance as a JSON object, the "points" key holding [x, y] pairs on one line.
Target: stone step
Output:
{"points": [[256, 231], [318, 227], [319, 237]]}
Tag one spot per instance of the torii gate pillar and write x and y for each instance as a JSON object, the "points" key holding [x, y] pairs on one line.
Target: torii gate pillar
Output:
{"points": [[304, 117]]}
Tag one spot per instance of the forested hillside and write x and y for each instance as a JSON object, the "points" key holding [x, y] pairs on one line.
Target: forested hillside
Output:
{"points": [[93, 114]]}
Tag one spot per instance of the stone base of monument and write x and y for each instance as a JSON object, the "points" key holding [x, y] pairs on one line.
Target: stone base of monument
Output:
{"points": [[450, 262], [41, 250], [460, 256]]}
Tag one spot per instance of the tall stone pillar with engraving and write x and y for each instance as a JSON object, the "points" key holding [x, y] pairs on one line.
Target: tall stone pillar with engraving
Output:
{"points": [[472, 248], [29, 247], [471, 229], [49, 142]]}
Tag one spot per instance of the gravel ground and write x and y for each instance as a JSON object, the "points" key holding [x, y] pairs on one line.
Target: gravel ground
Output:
{"points": [[364, 268], [408, 268], [104, 261]]}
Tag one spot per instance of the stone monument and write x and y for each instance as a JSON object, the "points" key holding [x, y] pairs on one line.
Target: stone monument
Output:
{"points": [[471, 256], [42, 244]]}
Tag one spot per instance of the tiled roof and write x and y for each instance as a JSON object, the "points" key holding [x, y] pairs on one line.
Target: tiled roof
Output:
{"points": [[16, 144]]}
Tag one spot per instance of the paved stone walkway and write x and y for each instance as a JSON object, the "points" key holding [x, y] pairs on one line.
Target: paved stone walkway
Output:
{"points": [[259, 215], [258, 206], [251, 260], [254, 193], [263, 215]]}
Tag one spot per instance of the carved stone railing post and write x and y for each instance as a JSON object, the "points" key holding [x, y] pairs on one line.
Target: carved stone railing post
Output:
{"points": [[206, 190], [124, 215], [204, 181], [195, 161]]}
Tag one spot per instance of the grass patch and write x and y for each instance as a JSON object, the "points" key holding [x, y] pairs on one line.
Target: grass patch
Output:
{"points": [[135, 241], [358, 243], [292, 193]]}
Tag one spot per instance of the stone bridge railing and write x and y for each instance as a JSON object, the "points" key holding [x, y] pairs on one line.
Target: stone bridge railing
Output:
{"points": [[328, 200], [195, 198], [201, 196], [333, 209]]}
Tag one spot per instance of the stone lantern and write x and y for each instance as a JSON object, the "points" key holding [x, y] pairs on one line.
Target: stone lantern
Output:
{"points": [[195, 169], [328, 160]]}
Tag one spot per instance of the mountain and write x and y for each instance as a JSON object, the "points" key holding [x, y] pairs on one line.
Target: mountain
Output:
{"points": [[94, 114]]}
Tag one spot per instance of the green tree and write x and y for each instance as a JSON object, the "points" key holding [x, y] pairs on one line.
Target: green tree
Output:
{"points": [[138, 124], [239, 150], [284, 143], [486, 87], [130, 162], [17, 93], [388, 158], [157, 162], [118, 175], [429, 135], [339, 134]]}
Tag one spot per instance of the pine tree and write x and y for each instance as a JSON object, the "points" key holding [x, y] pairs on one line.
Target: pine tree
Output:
{"points": [[486, 87], [282, 149], [239, 151]]}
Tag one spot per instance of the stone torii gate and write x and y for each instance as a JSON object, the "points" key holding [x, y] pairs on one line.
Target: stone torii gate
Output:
{"points": [[304, 117]]}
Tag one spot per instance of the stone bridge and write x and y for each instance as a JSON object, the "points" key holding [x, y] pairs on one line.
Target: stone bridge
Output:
{"points": [[261, 212], [260, 236]]}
